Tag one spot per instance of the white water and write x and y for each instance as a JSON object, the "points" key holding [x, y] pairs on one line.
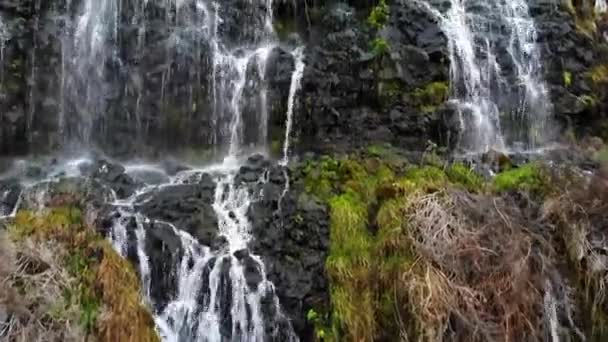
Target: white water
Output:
{"points": [[601, 6], [4, 37], [296, 79], [497, 109], [88, 44], [202, 303]]}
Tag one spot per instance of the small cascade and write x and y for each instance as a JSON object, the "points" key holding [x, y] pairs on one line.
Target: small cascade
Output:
{"points": [[501, 102], [601, 6], [4, 37], [89, 45], [296, 78]]}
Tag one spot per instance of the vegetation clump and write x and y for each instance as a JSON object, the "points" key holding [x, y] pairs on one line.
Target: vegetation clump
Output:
{"points": [[526, 177], [379, 15], [431, 96], [431, 253], [92, 293]]}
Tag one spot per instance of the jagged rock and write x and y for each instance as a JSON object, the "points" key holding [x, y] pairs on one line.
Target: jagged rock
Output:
{"points": [[186, 206], [293, 244], [66, 191], [164, 250]]}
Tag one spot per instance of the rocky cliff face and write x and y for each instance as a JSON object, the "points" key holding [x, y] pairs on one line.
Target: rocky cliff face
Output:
{"points": [[151, 92]]}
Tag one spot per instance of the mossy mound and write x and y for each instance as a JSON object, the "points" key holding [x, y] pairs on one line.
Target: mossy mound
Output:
{"points": [[429, 253], [100, 300]]}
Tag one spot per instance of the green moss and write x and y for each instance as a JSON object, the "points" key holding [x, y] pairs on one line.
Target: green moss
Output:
{"points": [[527, 177], [379, 15], [389, 92], [461, 174], [428, 98], [567, 75], [379, 46], [104, 279], [598, 74], [584, 16]]}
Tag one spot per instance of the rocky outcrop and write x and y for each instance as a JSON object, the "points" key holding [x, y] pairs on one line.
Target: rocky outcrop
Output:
{"points": [[355, 95], [291, 234]]}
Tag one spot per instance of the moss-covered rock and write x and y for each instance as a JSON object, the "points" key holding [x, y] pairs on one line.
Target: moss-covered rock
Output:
{"points": [[106, 287]]}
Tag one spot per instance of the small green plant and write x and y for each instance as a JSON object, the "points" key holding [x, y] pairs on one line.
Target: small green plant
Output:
{"points": [[463, 175], [526, 177], [432, 95], [379, 15], [379, 46], [567, 78]]}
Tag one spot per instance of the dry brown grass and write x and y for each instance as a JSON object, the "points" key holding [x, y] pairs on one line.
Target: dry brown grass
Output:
{"points": [[481, 272], [124, 317], [32, 287], [578, 212], [71, 284]]}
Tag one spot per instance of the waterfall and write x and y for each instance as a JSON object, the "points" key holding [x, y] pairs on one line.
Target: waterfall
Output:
{"points": [[296, 79], [601, 6], [4, 37], [502, 103], [218, 277], [89, 44], [215, 298]]}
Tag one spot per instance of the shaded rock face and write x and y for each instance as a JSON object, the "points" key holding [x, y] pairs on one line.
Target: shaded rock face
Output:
{"points": [[148, 89], [291, 235], [569, 55], [353, 96]]}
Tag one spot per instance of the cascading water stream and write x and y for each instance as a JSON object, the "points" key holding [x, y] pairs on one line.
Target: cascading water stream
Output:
{"points": [[215, 299], [224, 288], [601, 6], [502, 103], [4, 37], [84, 85]]}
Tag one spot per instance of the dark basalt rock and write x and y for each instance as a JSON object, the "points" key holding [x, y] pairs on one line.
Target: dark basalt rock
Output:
{"points": [[292, 238], [253, 170], [10, 190], [66, 191], [164, 250], [114, 176], [186, 206]]}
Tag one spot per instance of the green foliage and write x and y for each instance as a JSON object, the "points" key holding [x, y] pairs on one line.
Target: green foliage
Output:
{"points": [[527, 177], [389, 92], [432, 95], [379, 46], [322, 332], [567, 75], [103, 278], [321, 177], [599, 74], [461, 174], [379, 15]]}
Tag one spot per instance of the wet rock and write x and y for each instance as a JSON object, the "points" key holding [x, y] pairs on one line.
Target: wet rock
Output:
{"points": [[164, 250], [10, 190], [251, 269], [66, 191], [186, 206], [148, 176], [293, 243], [253, 170], [114, 176]]}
